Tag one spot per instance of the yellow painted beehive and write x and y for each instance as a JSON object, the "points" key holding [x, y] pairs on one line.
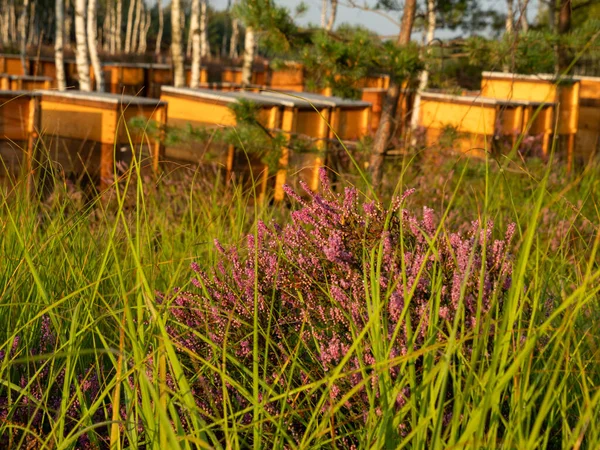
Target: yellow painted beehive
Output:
{"points": [[19, 125], [90, 132], [13, 65], [25, 82], [472, 125]]}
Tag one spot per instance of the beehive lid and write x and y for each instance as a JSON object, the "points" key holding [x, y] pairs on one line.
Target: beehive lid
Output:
{"points": [[324, 99], [103, 97], [27, 77], [297, 99], [13, 94], [222, 96], [537, 77], [478, 100]]}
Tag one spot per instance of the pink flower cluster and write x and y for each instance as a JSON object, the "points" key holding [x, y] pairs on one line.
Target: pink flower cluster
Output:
{"points": [[313, 283]]}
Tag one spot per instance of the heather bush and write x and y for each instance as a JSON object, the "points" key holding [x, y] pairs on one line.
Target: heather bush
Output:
{"points": [[347, 288]]}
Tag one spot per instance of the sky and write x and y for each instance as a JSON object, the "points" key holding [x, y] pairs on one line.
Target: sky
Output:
{"points": [[376, 22]]}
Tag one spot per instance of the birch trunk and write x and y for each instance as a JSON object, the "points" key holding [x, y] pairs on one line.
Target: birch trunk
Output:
{"points": [[58, 45], [144, 33], [32, 34], [5, 22], [92, 38], [332, 15], [68, 23], [23, 34], [176, 48], [424, 76], [106, 30], [204, 44], [136, 27], [188, 48], [129, 30], [161, 25], [248, 56], [196, 51], [81, 53], [119, 26], [324, 13], [523, 15], [235, 35], [509, 25]]}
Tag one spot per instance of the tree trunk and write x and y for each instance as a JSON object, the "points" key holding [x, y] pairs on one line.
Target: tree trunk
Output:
{"points": [[58, 45], [324, 13], [509, 25], [68, 24], [235, 34], [23, 22], [196, 51], [188, 48], [161, 25], [128, 32], [523, 15], [32, 34], [106, 30], [14, 35], [135, 35], [248, 56], [332, 15], [408, 19], [5, 23], [564, 27], [424, 76], [204, 44], [176, 48], [92, 38], [119, 26], [81, 54]]}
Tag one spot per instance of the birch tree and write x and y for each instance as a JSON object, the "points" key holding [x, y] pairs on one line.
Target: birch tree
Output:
{"points": [[176, 47], [524, 24], [204, 44], [196, 51], [92, 40], [249, 46], [128, 32], [119, 26], [424, 75], [58, 44], [235, 33], [332, 15], [23, 22], [161, 25], [135, 38], [81, 51], [509, 25], [68, 23]]}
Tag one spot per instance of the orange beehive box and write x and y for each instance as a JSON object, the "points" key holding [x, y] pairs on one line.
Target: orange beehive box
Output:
{"points": [[289, 77], [122, 78], [45, 67], [565, 92], [25, 82], [12, 65], [475, 122], [19, 125], [587, 141], [234, 75], [88, 132]]}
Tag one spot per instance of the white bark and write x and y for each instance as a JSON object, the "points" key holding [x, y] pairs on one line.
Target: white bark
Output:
{"points": [[176, 48], [135, 38], [523, 15], [92, 39], [424, 75], [23, 22], [144, 33], [161, 25], [235, 34], [324, 13], [248, 56], [68, 23], [129, 30], [5, 22], [509, 26], [119, 26], [195, 33], [81, 53], [204, 45], [58, 45], [332, 15]]}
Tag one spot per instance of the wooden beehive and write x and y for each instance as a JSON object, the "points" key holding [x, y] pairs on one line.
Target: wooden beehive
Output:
{"points": [[159, 75], [25, 82], [45, 67], [587, 141], [87, 133], [121, 78], [290, 77], [350, 119], [565, 93], [234, 75], [12, 65], [19, 125], [375, 96], [473, 124], [375, 81]]}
